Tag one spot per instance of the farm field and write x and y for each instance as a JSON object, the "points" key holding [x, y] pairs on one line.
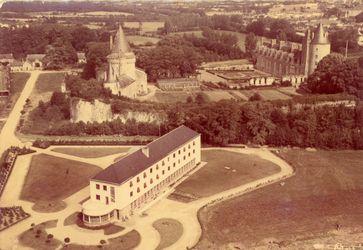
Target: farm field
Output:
{"points": [[146, 26], [217, 95], [91, 152], [272, 94], [227, 170], [142, 40], [171, 96], [52, 178], [290, 91], [326, 191]]}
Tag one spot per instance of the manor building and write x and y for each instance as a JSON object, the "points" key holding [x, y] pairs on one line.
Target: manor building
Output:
{"points": [[126, 186], [123, 78], [293, 61]]}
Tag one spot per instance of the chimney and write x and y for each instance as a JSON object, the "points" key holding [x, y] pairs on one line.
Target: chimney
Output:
{"points": [[145, 151], [111, 42]]}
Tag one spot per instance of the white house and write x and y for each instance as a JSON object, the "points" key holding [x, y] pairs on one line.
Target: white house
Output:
{"points": [[140, 177], [33, 62]]}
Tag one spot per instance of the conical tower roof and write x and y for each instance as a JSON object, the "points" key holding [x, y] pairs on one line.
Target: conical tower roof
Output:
{"points": [[120, 44], [319, 35]]}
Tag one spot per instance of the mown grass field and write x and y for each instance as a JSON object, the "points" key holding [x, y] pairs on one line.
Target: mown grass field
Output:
{"points": [[142, 40], [52, 178], [49, 82], [326, 191], [225, 170]]}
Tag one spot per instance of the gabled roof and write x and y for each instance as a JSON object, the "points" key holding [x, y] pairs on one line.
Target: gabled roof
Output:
{"points": [[125, 80], [33, 57], [133, 164], [6, 56]]}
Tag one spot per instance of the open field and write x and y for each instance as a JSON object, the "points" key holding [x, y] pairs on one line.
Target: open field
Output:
{"points": [[142, 40], [218, 95], [170, 231], [52, 178], [224, 170], [272, 94], [326, 191], [91, 152], [146, 26], [49, 82], [171, 97]]}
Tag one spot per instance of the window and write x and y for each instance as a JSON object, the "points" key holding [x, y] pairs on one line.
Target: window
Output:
{"points": [[179, 152], [157, 167], [174, 164], [193, 151], [138, 190], [138, 179], [169, 168], [184, 157], [193, 143], [97, 186], [145, 186], [189, 154], [184, 149], [144, 175], [151, 170], [157, 177], [162, 163], [98, 197], [130, 183], [189, 146], [131, 194], [163, 172], [174, 155], [105, 187], [151, 181]]}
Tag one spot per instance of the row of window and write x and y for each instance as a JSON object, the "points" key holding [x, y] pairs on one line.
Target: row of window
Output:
{"points": [[104, 187], [163, 164]]}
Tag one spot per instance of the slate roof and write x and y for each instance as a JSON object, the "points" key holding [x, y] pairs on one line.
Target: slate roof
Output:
{"points": [[124, 81], [320, 37], [6, 56], [135, 163], [34, 57]]}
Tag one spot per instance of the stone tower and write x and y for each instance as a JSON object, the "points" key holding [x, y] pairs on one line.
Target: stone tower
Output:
{"points": [[319, 48], [306, 52], [122, 60]]}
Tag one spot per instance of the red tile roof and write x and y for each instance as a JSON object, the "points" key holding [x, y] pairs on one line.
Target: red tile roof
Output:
{"points": [[135, 163]]}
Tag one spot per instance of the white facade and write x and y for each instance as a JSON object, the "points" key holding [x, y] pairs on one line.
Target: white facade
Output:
{"points": [[111, 201]]}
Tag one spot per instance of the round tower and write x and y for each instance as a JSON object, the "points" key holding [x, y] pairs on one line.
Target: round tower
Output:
{"points": [[319, 48]]}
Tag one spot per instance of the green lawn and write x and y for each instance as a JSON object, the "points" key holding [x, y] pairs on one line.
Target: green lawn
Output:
{"points": [[326, 190], [91, 152], [52, 178], [225, 170], [49, 82]]}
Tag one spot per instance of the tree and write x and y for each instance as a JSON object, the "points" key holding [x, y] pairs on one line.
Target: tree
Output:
{"points": [[200, 98], [59, 55], [96, 55], [250, 43], [255, 97], [334, 74], [339, 38], [257, 27]]}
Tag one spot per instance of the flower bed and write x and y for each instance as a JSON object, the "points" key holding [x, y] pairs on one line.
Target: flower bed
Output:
{"points": [[11, 215]]}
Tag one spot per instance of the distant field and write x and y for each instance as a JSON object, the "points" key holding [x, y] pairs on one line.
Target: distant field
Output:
{"points": [[146, 26], [171, 97], [272, 94], [142, 40], [217, 95], [52, 178], [325, 191], [225, 170], [91, 152], [49, 82]]}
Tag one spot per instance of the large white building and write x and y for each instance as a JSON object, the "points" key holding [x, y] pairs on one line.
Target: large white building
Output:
{"points": [[140, 177], [123, 77]]}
